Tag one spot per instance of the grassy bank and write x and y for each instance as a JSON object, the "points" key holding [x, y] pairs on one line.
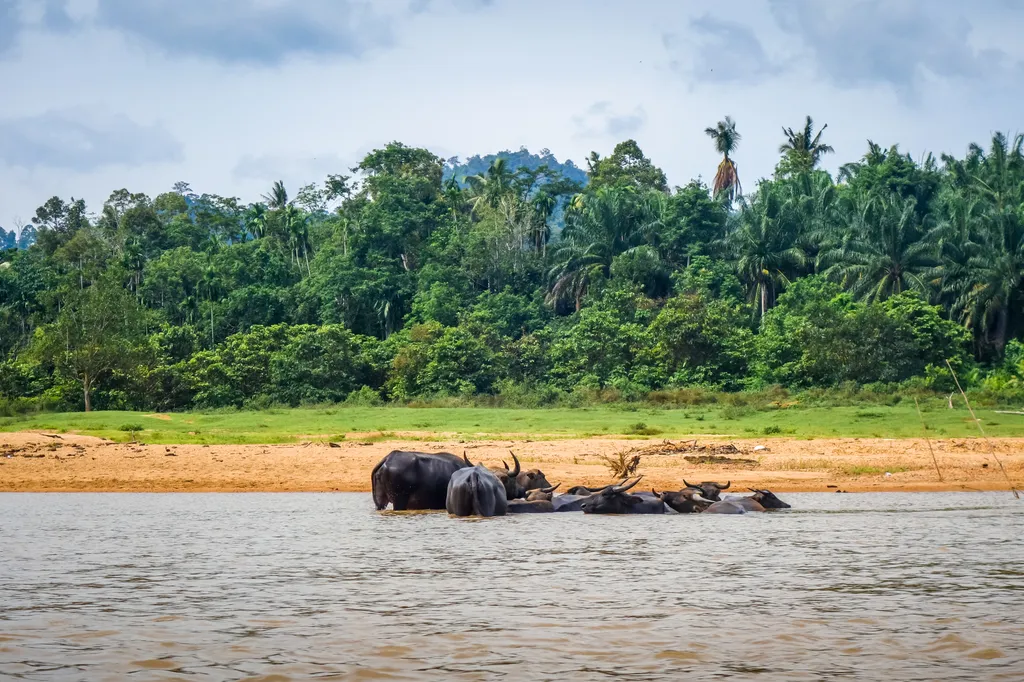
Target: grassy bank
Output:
{"points": [[339, 423]]}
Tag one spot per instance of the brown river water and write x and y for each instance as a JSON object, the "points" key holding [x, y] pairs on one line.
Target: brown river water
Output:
{"points": [[299, 586]]}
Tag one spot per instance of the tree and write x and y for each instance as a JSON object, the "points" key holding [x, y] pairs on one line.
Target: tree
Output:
{"points": [[802, 150], [727, 178], [879, 249], [600, 226], [986, 273], [626, 167], [765, 245], [99, 330]]}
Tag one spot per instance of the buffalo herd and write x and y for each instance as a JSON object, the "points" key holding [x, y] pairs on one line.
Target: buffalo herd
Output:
{"points": [[428, 480]]}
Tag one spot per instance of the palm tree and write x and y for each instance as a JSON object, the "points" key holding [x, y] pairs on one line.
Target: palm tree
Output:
{"points": [[727, 138], [492, 186], [598, 227], [802, 150], [256, 220], [986, 274], [880, 248], [765, 244], [277, 197], [296, 229]]}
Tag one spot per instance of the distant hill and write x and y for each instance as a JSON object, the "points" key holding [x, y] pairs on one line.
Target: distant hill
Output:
{"points": [[477, 165]]}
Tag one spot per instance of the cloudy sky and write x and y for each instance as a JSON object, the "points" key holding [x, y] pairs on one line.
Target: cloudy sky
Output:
{"points": [[230, 95]]}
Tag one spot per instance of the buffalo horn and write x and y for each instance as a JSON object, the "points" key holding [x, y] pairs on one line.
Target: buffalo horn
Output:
{"points": [[723, 487], [690, 485], [657, 494], [515, 459], [504, 464], [466, 458], [551, 489], [622, 489]]}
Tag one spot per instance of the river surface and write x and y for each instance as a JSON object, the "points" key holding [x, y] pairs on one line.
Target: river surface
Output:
{"points": [[298, 586]]}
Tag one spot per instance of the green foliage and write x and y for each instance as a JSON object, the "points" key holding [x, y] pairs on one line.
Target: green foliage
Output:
{"points": [[419, 279]]}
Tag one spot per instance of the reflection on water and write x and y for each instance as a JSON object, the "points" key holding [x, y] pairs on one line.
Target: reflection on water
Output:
{"points": [[293, 586]]}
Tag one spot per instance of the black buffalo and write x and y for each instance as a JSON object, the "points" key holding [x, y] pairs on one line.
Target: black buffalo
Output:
{"points": [[584, 490], [531, 479], [475, 491], [761, 500], [509, 479], [709, 489], [530, 507], [413, 480], [541, 494], [614, 500], [686, 501]]}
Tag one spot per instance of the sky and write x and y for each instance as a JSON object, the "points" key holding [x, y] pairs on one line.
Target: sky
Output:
{"points": [[231, 95]]}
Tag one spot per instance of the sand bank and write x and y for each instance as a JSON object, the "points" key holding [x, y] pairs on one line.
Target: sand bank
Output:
{"points": [[38, 462]]}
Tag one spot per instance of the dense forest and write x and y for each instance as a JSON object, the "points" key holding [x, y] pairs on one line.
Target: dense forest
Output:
{"points": [[521, 280]]}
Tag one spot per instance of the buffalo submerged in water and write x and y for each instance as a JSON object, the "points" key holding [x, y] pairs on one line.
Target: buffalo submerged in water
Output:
{"points": [[475, 491]]}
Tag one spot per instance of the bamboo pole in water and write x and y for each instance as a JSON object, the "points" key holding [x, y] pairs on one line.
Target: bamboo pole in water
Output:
{"points": [[924, 428], [977, 421]]}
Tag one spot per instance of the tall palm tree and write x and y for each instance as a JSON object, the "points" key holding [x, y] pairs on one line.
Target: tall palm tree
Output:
{"points": [[598, 227], [802, 150], [277, 197], [880, 248], [765, 244], [727, 138]]}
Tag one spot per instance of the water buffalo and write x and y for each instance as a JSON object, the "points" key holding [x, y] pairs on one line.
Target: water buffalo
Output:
{"points": [[584, 490], [614, 500], [568, 503], [530, 507], [509, 479], [709, 489], [531, 479], [725, 507], [541, 494], [686, 501], [413, 480], [475, 491], [767, 499]]}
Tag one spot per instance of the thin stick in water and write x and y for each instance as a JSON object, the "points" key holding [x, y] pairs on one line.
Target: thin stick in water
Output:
{"points": [[924, 428], [977, 421]]}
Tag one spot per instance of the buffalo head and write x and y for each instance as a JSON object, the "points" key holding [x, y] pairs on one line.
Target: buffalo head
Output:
{"points": [[509, 479], [686, 501], [611, 499], [709, 489], [767, 499], [541, 493]]}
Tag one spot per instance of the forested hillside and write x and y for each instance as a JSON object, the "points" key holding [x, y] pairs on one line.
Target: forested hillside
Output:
{"points": [[407, 281]]}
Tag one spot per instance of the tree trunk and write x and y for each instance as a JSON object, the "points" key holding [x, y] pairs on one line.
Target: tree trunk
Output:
{"points": [[86, 389], [764, 298], [1002, 322]]}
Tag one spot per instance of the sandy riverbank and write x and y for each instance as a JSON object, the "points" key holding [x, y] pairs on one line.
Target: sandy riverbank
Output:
{"points": [[37, 462]]}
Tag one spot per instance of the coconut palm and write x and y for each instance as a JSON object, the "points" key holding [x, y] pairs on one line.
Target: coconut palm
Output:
{"points": [[727, 138], [277, 197], [802, 150]]}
